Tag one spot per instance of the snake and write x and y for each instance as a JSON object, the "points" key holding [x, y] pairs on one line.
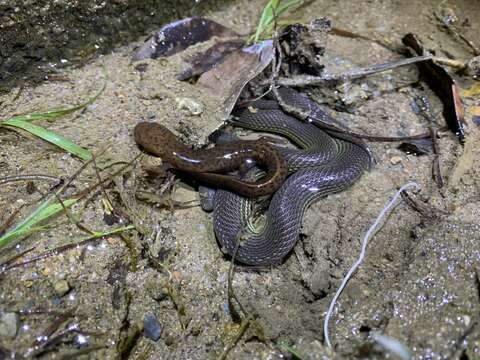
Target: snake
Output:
{"points": [[328, 163], [206, 164]]}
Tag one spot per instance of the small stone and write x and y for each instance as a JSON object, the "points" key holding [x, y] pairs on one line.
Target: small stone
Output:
{"points": [[473, 67], [190, 106], [395, 160], [9, 323], [362, 198], [169, 340], [151, 115], [156, 289], [151, 327], [352, 94], [468, 180], [80, 341], [61, 287], [476, 120]]}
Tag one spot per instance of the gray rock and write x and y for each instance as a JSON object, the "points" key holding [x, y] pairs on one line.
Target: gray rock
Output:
{"points": [[151, 327], [9, 323], [473, 67], [189, 106], [61, 287]]}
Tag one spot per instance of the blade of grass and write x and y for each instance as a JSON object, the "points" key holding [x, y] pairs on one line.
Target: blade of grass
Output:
{"points": [[263, 22], [24, 122], [31, 223], [61, 249], [49, 136], [274, 8], [50, 207], [53, 114], [291, 350]]}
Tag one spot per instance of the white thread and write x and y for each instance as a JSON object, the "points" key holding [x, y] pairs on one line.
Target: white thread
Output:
{"points": [[354, 267]]}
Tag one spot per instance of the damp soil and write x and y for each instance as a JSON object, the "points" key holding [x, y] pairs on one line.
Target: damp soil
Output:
{"points": [[419, 283]]}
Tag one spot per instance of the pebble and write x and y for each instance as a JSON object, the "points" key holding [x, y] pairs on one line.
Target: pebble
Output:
{"points": [[151, 115], [473, 67], [9, 323], [468, 180], [169, 340], [190, 106], [151, 327], [61, 287], [80, 341], [395, 160], [352, 94], [156, 290]]}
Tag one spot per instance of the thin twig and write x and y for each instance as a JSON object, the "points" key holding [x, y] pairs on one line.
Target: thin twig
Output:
{"points": [[230, 291], [89, 189], [61, 249], [453, 29], [15, 258], [357, 73], [424, 106], [102, 187], [72, 218], [33, 177], [243, 328], [9, 221]]}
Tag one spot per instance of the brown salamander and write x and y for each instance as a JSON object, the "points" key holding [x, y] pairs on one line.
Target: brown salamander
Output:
{"points": [[205, 164]]}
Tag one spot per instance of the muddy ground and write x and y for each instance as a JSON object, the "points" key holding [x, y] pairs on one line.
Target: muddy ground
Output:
{"points": [[419, 283]]}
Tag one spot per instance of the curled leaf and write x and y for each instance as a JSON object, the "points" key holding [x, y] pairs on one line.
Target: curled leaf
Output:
{"points": [[444, 86], [179, 35], [206, 60], [226, 80]]}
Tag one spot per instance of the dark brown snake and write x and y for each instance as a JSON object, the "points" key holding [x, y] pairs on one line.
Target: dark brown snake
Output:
{"points": [[328, 164]]}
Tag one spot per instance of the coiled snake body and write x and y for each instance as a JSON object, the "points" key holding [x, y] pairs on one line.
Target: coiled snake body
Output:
{"points": [[326, 165]]}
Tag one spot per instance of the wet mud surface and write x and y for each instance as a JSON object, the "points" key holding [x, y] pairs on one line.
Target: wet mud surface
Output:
{"points": [[419, 283]]}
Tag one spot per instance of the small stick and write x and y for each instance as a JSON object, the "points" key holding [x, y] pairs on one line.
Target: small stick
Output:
{"points": [[33, 177], [102, 185], [54, 326], [243, 328], [15, 257], [306, 80], [424, 105], [456, 32], [61, 249], [9, 221], [456, 64]]}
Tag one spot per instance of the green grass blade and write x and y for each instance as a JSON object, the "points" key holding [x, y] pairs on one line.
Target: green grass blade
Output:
{"points": [[49, 136], [24, 122], [263, 22], [53, 114], [274, 8], [32, 222], [99, 234], [291, 350]]}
